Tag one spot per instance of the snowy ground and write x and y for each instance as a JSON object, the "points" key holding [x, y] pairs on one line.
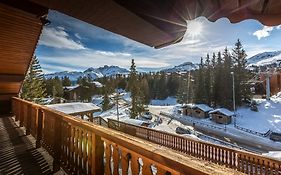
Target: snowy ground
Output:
{"points": [[167, 102], [268, 116]]}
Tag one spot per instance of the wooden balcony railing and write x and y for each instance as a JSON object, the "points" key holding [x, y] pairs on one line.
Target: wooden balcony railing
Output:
{"points": [[239, 160], [82, 147]]}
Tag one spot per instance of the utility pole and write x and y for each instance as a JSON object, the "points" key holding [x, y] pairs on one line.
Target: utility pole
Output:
{"points": [[117, 104], [267, 86], [233, 94]]}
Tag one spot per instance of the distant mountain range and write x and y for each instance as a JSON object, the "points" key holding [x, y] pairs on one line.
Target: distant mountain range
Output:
{"points": [[113, 70], [184, 67], [261, 59], [94, 73], [265, 59]]}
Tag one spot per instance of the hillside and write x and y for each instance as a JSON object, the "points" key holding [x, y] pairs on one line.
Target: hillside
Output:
{"points": [[90, 72], [265, 58]]}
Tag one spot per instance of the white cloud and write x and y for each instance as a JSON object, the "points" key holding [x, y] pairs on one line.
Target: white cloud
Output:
{"points": [[278, 27], [264, 32], [58, 38]]}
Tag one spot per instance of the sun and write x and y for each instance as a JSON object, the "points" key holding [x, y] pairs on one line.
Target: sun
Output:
{"points": [[194, 28]]}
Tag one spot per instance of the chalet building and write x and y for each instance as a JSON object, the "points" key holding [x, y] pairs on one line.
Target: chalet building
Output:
{"points": [[187, 109], [221, 116], [73, 93], [275, 80], [201, 111]]}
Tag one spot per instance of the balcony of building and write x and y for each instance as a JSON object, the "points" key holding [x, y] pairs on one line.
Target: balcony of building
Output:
{"points": [[38, 140]]}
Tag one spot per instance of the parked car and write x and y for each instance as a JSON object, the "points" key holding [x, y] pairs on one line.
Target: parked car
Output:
{"points": [[147, 115], [275, 136], [180, 130]]}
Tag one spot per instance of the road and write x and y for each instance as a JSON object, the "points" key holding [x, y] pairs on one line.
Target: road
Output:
{"points": [[231, 135]]}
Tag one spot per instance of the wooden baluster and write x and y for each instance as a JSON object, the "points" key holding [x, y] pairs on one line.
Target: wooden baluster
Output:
{"points": [[85, 152], [116, 159], [107, 159], [57, 143], [89, 150], [124, 161], [80, 153], [226, 161], [254, 165], [71, 148], [251, 164], [97, 155], [135, 166], [76, 151], [39, 128], [28, 119], [272, 167], [146, 167], [21, 114], [64, 142], [220, 156], [266, 168]]}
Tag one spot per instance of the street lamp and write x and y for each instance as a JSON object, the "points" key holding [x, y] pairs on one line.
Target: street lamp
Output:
{"points": [[233, 93]]}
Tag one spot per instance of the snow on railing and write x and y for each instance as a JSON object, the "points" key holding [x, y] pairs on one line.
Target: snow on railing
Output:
{"points": [[254, 132]]}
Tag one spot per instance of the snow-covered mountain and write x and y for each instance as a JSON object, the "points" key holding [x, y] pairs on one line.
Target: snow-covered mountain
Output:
{"points": [[265, 58], [184, 67], [91, 72]]}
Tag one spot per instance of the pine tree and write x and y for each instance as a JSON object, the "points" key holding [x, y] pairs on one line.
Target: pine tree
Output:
{"points": [[106, 101], [207, 82], [218, 81], [66, 81], [227, 80], [242, 89], [133, 89], [199, 90], [33, 88]]}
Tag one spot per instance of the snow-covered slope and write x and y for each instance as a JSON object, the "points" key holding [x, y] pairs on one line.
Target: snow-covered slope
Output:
{"points": [[265, 58], [73, 76], [91, 72], [184, 67]]}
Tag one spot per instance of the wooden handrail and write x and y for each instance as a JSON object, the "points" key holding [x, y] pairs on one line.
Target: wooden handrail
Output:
{"points": [[233, 158], [81, 147]]}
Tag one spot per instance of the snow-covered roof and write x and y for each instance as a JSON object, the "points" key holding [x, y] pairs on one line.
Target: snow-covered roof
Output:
{"points": [[134, 121], [97, 84], [71, 87], [72, 108], [222, 111], [203, 107], [273, 154]]}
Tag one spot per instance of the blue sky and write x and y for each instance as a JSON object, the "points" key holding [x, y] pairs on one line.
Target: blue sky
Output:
{"points": [[68, 44]]}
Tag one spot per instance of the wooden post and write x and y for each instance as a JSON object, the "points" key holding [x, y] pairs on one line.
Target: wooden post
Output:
{"points": [[17, 109], [97, 155], [91, 118], [57, 143], [39, 127], [21, 116], [28, 118]]}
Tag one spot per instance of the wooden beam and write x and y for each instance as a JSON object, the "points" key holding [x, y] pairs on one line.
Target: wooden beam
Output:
{"points": [[27, 6], [11, 78]]}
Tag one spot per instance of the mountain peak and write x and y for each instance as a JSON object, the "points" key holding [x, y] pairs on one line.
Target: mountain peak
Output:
{"points": [[90, 72], [264, 58]]}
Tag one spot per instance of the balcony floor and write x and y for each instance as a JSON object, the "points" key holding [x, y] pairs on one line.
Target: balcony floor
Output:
{"points": [[18, 154]]}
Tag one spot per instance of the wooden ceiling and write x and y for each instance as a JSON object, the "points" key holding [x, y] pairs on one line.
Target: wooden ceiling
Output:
{"points": [[20, 28]]}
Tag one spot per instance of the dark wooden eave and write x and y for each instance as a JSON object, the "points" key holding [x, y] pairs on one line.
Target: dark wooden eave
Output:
{"points": [[20, 28]]}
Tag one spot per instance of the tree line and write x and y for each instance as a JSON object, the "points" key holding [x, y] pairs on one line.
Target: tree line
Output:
{"points": [[211, 83]]}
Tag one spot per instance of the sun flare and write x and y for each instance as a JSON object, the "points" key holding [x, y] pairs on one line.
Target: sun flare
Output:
{"points": [[194, 28]]}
